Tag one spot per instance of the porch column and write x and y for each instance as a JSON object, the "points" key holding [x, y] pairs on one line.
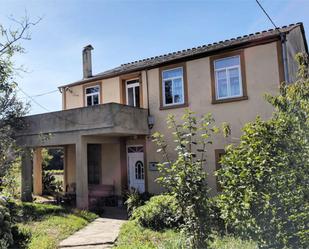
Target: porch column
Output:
{"points": [[37, 171], [81, 174], [65, 168], [26, 175]]}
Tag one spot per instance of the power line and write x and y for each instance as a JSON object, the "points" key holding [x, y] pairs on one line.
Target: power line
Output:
{"points": [[46, 109], [269, 18], [32, 99], [43, 94], [54, 114]]}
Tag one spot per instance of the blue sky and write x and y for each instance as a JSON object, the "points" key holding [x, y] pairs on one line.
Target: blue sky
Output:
{"points": [[124, 31]]}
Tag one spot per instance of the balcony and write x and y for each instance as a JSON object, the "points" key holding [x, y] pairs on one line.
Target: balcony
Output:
{"points": [[65, 127]]}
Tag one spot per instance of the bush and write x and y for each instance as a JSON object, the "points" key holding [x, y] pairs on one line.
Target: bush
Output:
{"points": [[135, 200], [265, 178], [184, 176], [216, 222], [160, 212], [50, 184], [6, 237]]}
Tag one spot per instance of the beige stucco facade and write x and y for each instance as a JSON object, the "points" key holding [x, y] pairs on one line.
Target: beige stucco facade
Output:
{"points": [[107, 145], [262, 76]]}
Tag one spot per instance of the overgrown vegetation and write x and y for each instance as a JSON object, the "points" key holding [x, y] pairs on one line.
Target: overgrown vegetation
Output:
{"points": [[185, 177], [265, 178], [51, 184], [136, 199], [160, 212], [134, 236], [6, 237], [44, 225], [11, 108]]}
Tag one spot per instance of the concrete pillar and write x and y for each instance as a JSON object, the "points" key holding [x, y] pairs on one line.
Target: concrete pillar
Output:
{"points": [[65, 168], [37, 171], [81, 174], [26, 175]]}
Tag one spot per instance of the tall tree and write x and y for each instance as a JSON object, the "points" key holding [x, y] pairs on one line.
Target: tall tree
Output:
{"points": [[11, 108]]}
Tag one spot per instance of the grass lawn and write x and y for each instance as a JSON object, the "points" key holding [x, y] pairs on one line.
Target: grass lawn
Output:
{"points": [[133, 236], [44, 226]]}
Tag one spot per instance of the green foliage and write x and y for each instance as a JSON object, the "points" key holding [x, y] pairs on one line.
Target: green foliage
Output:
{"points": [[56, 162], [11, 181], [6, 237], [11, 108], [185, 177], [134, 236], [50, 184], [44, 225], [135, 200], [265, 178], [159, 213]]}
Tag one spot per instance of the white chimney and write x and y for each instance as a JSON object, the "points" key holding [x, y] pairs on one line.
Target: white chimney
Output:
{"points": [[87, 65]]}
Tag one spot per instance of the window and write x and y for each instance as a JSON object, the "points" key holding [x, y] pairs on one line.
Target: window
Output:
{"points": [[218, 154], [94, 163], [228, 77], [173, 87], [92, 95], [139, 170], [133, 92]]}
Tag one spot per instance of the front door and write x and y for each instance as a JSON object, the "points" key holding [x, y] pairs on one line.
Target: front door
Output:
{"points": [[94, 163], [136, 169]]}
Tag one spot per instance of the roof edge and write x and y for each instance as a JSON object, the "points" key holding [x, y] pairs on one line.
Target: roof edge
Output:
{"points": [[242, 44]]}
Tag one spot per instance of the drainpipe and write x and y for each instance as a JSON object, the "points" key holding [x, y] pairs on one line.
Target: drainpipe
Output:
{"points": [[284, 57], [150, 117]]}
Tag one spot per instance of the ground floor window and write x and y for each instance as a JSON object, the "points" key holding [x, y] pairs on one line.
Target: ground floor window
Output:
{"points": [[94, 163]]}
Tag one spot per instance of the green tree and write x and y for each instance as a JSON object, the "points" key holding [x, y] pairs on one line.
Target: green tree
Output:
{"points": [[11, 108], [265, 178], [185, 177]]}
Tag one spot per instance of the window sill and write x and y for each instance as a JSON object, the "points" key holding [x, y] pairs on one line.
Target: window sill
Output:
{"points": [[174, 106], [220, 101]]}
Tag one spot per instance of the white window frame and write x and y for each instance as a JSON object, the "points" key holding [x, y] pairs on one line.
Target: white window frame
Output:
{"points": [[229, 96], [92, 94], [134, 85], [171, 79]]}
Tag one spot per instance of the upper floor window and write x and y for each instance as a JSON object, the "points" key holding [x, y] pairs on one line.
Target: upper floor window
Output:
{"points": [[133, 92], [173, 86], [228, 77], [92, 95]]}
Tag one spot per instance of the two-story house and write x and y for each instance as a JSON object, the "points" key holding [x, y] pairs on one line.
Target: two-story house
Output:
{"points": [[107, 118]]}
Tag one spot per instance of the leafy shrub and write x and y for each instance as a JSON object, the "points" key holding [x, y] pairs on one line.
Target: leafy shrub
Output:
{"points": [[50, 184], [216, 222], [6, 237], [135, 200], [184, 176], [21, 236], [160, 212], [265, 178], [11, 182]]}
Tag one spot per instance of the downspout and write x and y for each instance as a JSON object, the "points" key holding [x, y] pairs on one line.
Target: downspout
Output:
{"points": [[147, 92], [150, 118], [284, 57]]}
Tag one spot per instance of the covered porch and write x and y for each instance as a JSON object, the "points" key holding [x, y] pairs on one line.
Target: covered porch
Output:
{"points": [[95, 141]]}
